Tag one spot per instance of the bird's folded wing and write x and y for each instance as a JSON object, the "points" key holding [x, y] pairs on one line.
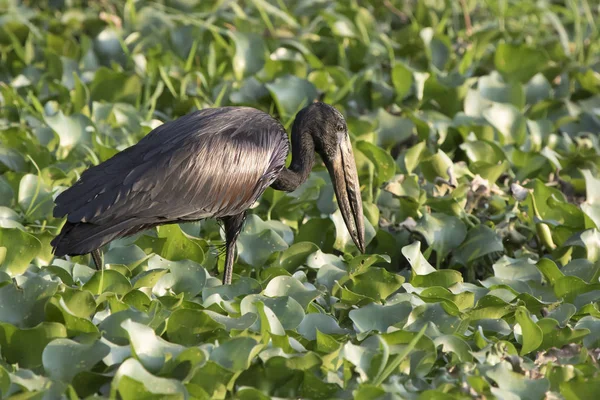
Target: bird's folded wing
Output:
{"points": [[210, 163]]}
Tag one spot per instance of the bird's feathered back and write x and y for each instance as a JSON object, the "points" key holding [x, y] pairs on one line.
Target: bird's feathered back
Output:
{"points": [[210, 163]]}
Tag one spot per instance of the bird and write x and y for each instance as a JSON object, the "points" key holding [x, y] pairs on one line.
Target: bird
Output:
{"points": [[210, 163]]}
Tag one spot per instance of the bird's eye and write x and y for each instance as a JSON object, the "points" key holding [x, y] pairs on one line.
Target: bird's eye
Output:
{"points": [[340, 128]]}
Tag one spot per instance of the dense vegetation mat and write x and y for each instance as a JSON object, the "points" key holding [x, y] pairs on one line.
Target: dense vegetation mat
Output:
{"points": [[475, 126]]}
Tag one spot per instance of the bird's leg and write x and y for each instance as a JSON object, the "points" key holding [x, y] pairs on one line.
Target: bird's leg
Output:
{"points": [[97, 257], [233, 226]]}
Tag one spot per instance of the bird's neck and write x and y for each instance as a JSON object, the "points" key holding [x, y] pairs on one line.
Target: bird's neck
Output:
{"points": [[303, 158]]}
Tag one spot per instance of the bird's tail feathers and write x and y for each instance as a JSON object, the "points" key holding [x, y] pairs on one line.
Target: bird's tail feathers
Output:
{"points": [[83, 238]]}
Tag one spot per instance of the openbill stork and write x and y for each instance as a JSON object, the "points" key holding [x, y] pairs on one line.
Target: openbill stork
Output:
{"points": [[211, 163]]}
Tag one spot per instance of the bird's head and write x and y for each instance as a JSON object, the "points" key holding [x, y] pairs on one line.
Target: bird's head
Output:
{"points": [[330, 136]]}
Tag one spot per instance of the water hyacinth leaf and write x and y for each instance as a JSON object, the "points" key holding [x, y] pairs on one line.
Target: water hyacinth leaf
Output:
{"points": [[532, 333], [288, 310], [508, 121], [574, 389], [151, 350], [518, 62], [113, 86], [297, 255], [453, 344], [108, 280], [124, 255], [402, 79], [343, 240], [58, 311], [495, 89], [259, 240], [392, 129], [132, 381], [592, 205], [313, 324], [12, 159], [558, 337], [593, 324], [291, 94], [185, 277], [318, 259], [72, 130], [25, 346], [290, 286], [236, 354], [20, 248], [480, 150], [35, 197], [480, 241], [249, 54], [179, 246], [112, 329], [517, 269], [374, 317], [21, 303], [462, 300], [65, 358], [514, 384], [419, 264], [443, 233], [384, 164], [376, 283], [148, 278], [473, 125], [436, 317], [190, 327]]}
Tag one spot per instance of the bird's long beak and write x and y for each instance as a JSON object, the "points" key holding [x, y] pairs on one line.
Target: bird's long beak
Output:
{"points": [[342, 169]]}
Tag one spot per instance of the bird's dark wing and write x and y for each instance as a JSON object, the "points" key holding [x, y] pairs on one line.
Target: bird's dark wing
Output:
{"points": [[210, 163]]}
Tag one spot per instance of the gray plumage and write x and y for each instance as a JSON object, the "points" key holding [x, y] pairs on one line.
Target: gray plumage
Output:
{"points": [[210, 163]]}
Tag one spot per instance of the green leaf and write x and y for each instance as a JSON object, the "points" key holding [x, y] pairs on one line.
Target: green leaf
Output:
{"points": [[532, 333], [419, 264], [375, 317], [376, 283], [508, 121], [259, 240], [132, 381], [113, 86], [288, 310], [480, 242], [454, 344], [511, 384], [402, 79], [249, 55], [65, 358], [58, 311], [384, 164], [290, 286], [236, 353], [22, 305], [291, 94], [313, 324], [493, 88], [343, 240], [72, 130], [152, 351], [18, 249], [443, 233], [518, 62], [185, 277], [108, 280], [179, 246], [579, 390], [25, 346]]}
